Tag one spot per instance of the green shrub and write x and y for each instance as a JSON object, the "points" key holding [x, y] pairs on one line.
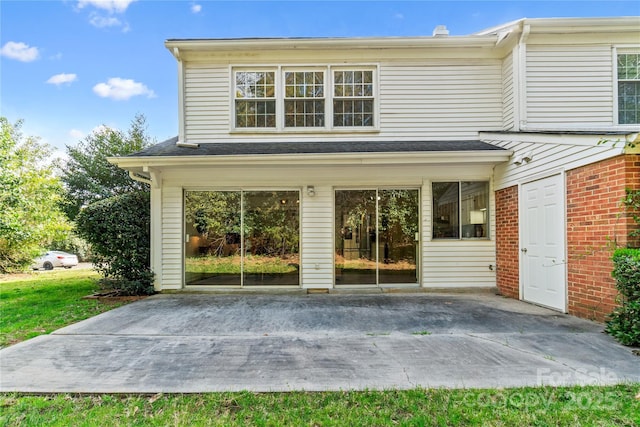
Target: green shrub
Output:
{"points": [[624, 322], [118, 230]]}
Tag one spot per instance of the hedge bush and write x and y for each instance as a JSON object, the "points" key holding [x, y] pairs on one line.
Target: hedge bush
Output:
{"points": [[118, 229], [624, 322]]}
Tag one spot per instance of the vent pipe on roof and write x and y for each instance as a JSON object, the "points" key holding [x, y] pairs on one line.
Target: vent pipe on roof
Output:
{"points": [[440, 31]]}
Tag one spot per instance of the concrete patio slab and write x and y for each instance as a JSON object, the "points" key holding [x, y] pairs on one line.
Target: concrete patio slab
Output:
{"points": [[187, 343]]}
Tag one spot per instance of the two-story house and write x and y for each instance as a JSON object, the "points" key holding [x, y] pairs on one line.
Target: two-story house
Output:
{"points": [[410, 162]]}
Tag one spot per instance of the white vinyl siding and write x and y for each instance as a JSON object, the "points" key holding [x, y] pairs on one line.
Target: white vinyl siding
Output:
{"points": [[508, 94], [548, 158], [456, 263], [441, 101], [206, 104], [172, 238], [317, 238], [416, 100], [569, 87]]}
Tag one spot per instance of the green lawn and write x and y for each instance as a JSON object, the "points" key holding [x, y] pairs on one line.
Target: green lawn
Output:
{"points": [[574, 406], [39, 303]]}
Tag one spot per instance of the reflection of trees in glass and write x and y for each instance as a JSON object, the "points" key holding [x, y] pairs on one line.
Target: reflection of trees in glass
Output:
{"points": [[215, 215], [399, 209], [271, 222]]}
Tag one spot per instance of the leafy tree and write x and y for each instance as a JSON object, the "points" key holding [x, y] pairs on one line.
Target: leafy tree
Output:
{"points": [[118, 230], [30, 193], [89, 177]]}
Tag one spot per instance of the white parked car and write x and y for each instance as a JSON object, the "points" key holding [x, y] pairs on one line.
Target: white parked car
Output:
{"points": [[53, 259]]}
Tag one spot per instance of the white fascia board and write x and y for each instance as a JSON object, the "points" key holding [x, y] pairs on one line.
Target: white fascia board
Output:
{"points": [[180, 48], [584, 25], [414, 158]]}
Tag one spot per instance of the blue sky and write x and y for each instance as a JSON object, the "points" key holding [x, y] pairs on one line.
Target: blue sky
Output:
{"points": [[70, 66]]}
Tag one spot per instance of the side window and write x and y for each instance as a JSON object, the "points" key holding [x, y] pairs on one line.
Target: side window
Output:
{"points": [[628, 88], [460, 210], [255, 99]]}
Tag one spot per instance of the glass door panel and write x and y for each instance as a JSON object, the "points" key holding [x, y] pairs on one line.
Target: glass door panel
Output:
{"points": [[271, 238], [355, 252], [397, 236], [213, 244]]}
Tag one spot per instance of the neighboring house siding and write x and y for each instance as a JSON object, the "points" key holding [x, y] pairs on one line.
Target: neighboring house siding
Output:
{"points": [[507, 242], [508, 94], [594, 227], [426, 100], [569, 87]]}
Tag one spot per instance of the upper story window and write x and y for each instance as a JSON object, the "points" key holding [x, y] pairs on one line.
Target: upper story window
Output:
{"points": [[305, 98], [255, 99], [629, 88], [353, 98]]}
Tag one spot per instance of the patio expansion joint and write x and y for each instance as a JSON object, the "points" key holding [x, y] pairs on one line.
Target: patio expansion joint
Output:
{"points": [[547, 358]]}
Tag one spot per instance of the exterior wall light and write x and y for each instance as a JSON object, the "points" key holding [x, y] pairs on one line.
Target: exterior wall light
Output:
{"points": [[311, 191]]}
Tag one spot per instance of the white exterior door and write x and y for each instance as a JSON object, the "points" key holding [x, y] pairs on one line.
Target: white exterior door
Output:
{"points": [[542, 249]]}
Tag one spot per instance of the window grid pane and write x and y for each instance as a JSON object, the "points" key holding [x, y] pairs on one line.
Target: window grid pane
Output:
{"points": [[255, 114], [255, 84], [304, 99], [629, 88], [255, 99], [353, 112], [353, 98], [300, 113]]}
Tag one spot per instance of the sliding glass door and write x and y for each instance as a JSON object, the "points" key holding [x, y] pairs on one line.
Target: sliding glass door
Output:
{"points": [[376, 236], [242, 238]]}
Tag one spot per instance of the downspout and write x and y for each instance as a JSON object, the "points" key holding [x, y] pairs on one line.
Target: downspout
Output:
{"points": [[139, 178], [521, 113], [181, 115]]}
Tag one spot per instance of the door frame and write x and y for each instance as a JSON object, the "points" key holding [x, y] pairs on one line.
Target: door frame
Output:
{"points": [[378, 285], [521, 230]]}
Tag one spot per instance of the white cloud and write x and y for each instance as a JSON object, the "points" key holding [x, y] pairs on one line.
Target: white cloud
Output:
{"points": [[76, 134], [111, 6], [62, 78], [122, 89], [20, 51], [196, 8], [100, 21], [398, 16]]}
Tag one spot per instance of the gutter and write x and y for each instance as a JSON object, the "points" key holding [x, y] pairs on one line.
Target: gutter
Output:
{"points": [[143, 165]]}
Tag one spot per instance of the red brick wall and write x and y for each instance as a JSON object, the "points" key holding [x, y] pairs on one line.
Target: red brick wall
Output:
{"points": [[507, 244], [594, 228]]}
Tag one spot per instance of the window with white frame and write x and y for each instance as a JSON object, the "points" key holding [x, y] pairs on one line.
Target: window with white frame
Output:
{"points": [[353, 98], [628, 88], [460, 210], [304, 99], [255, 99], [299, 98]]}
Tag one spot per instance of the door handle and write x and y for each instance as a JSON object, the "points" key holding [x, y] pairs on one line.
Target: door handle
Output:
{"points": [[523, 250]]}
